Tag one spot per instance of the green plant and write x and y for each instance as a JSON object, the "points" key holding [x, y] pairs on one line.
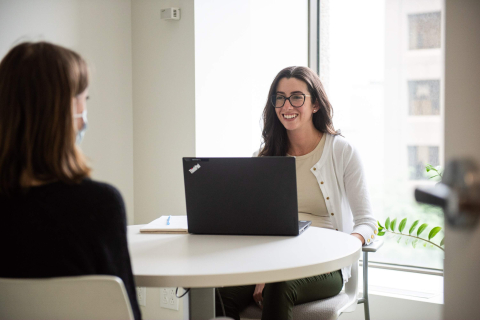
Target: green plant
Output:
{"points": [[390, 227], [438, 171]]}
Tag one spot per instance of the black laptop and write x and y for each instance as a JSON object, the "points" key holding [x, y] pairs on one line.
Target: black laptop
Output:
{"points": [[242, 196]]}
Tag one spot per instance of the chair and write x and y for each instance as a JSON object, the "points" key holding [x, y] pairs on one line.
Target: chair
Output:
{"points": [[82, 297], [331, 308]]}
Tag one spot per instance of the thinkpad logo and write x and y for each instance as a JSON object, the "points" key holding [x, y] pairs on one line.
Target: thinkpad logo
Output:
{"points": [[195, 168]]}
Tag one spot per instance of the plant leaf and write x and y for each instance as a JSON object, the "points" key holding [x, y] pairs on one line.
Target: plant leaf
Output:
{"points": [[381, 233], [414, 243], [421, 229], [433, 232], [379, 224], [380, 228], [402, 225], [442, 242], [412, 228], [387, 223], [399, 238], [393, 224]]}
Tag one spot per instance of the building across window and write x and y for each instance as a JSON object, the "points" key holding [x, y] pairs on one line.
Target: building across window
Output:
{"points": [[424, 30], [424, 97], [419, 157]]}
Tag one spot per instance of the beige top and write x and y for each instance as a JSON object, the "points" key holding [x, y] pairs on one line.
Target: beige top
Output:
{"points": [[311, 203]]}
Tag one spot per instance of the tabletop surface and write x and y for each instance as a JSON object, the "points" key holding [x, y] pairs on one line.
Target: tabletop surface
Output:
{"points": [[195, 261]]}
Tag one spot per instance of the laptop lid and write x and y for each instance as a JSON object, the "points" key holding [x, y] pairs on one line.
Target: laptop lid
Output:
{"points": [[242, 196]]}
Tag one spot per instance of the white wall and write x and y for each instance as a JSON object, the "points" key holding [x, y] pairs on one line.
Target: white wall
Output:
{"points": [[104, 40], [384, 307], [164, 100], [163, 116]]}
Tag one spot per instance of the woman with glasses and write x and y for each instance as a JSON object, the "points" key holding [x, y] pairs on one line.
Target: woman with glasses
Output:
{"points": [[331, 189], [56, 221]]}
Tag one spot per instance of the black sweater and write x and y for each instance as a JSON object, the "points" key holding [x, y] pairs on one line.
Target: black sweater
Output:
{"points": [[59, 230]]}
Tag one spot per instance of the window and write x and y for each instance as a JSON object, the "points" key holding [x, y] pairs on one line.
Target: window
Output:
{"points": [[376, 84], [235, 65], [418, 158], [424, 97], [424, 30], [386, 99]]}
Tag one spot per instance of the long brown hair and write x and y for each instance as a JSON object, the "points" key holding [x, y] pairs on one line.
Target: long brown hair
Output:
{"points": [[275, 139], [38, 82]]}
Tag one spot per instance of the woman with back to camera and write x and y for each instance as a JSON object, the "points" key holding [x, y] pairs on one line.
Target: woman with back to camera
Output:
{"points": [[56, 220], [331, 188]]}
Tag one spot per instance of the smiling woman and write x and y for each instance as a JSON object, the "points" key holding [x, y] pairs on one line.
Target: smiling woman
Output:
{"points": [[301, 120], [331, 188]]}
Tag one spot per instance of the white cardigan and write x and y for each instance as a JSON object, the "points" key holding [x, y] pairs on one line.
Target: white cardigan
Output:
{"points": [[341, 178]]}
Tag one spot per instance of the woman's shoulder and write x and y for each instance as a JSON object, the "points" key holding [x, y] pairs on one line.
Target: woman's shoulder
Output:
{"points": [[98, 186], [100, 190], [86, 194], [102, 200], [340, 144]]}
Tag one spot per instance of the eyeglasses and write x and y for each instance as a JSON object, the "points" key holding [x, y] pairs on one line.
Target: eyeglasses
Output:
{"points": [[296, 100]]}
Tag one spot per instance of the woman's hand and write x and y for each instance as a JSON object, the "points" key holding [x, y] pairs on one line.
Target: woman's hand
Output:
{"points": [[359, 237], [257, 294]]}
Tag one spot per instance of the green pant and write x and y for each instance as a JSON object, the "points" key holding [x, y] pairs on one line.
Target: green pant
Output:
{"points": [[279, 297]]}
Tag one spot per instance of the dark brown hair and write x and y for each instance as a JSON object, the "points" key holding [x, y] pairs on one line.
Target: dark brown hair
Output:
{"points": [[275, 139], [38, 82]]}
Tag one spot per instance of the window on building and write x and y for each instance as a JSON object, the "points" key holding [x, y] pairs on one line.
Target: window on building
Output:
{"points": [[418, 158], [424, 97], [424, 30]]}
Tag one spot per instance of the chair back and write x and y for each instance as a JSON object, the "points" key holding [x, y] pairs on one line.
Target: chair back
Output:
{"points": [[81, 297]]}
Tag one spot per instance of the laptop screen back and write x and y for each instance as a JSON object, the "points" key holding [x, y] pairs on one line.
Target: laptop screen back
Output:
{"points": [[241, 196]]}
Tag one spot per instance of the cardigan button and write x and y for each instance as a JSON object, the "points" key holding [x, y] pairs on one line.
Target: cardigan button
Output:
{"points": [[373, 236], [332, 213], [376, 231], [314, 169], [328, 198], [336, 229], [321, 182], [368, 240]]}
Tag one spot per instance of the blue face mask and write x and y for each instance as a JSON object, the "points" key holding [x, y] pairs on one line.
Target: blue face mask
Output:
{"points": [[81, 132]]}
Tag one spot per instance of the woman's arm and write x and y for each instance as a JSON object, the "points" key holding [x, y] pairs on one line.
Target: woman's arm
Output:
{"points": [[365, 225], [359, 237]]}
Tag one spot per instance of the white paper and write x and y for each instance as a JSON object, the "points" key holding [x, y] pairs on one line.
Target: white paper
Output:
{"points": [[177, 224]]}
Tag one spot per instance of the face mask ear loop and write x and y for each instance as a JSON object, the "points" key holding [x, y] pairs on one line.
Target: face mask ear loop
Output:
{"points": [[81, 132]]}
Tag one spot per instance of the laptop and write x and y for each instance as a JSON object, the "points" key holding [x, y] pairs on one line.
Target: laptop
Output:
{"points": [[242, 196]]}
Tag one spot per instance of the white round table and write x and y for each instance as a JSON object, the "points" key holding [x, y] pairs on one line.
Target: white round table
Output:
{"points": [[208, 261]]}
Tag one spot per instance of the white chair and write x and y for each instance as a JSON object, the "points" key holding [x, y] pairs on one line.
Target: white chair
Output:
{"points": [[331, 308], [82, 297]]}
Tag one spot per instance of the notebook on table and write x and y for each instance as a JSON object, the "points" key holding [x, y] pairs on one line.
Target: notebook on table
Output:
{"points": [[166, 224], [242, 196]]}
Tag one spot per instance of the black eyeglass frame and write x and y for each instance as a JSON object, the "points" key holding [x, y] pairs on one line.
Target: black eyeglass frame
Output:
{"points": [[274, 97]]}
